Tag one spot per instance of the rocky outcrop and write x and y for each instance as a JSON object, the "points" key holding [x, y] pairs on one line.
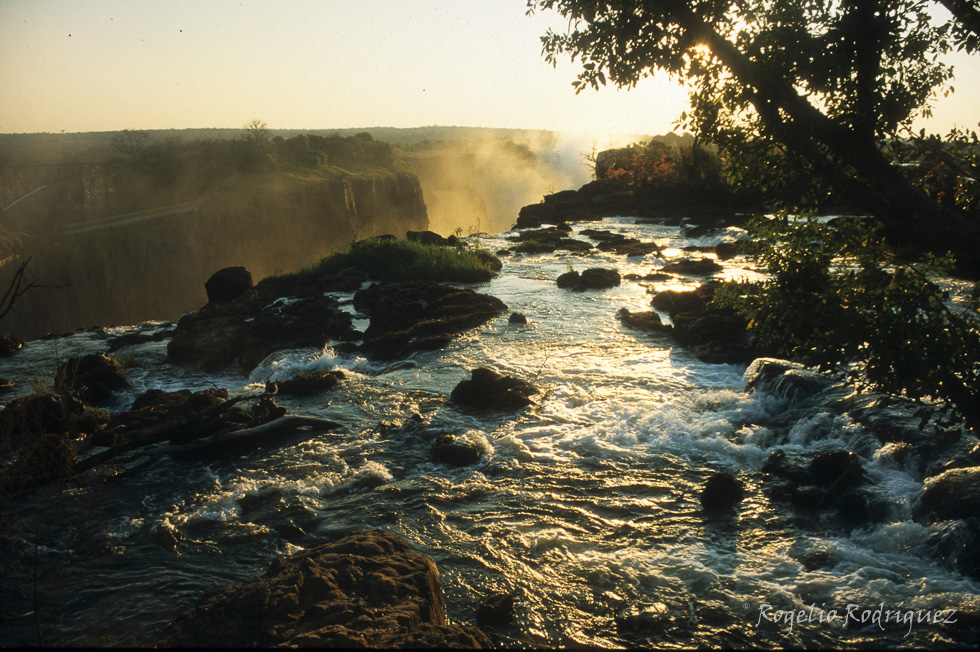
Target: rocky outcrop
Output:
{"points": [[954, 494], [487, 389], [368, 589], [594, 278], [456, 450], [243, 332], [546, 241], [228, 284], [416, 316]]}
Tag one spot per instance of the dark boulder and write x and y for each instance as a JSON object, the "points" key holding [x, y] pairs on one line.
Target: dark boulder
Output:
{"points": [[527, 220], [721, 491], [691, 267], [647, 321], [953, 494], [784, 378], [715, 336], [93, 377], [517, 318], [833, 479], [309, 383], [228, 284], [691, 301], [40, 413], [456, 451], [368, 589], [408, 317], [488, 389], [594, 278]]}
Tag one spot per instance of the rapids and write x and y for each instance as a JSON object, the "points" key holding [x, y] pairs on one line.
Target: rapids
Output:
{"points": [[585, 506]]}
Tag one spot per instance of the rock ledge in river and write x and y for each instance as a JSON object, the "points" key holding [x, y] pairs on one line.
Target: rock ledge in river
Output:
{"points": [[368, 589]]}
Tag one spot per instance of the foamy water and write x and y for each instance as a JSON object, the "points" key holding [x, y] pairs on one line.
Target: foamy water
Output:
{"points": [[585, 505]]}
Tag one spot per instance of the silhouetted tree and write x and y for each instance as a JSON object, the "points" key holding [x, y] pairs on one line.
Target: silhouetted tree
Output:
{"points": [[793, 86]]}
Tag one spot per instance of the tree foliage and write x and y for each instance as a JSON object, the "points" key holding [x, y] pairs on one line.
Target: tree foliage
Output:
{"points": [[807, 89], [837, 299]]}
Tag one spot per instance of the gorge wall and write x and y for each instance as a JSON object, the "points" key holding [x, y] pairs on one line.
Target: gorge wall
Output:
{"points": [[146, 266]]}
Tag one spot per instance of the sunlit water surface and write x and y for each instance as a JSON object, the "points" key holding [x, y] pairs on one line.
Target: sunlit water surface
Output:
{"points": [[585, 505]]}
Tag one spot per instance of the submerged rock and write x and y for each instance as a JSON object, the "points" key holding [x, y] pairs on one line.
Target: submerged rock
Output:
{"points": [[517, 318], [784, 378], [488, 389], [368, 589]]}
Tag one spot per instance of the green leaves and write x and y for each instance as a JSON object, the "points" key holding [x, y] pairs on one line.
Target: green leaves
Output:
{"points": [[836, 299]]}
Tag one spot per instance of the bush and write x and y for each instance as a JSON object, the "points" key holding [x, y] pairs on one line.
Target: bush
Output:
{"points": [[404, 260], [838, 300]]}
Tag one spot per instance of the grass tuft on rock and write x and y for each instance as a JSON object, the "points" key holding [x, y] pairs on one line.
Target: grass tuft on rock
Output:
{"points": [[403, 260]]}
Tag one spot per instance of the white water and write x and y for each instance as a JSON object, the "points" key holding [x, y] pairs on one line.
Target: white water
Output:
{"points": [[586, 505]]}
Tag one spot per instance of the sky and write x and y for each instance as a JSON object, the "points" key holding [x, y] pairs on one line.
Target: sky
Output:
{"points": [[107, 65]]}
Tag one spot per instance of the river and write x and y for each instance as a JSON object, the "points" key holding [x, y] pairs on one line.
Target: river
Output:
{"points": [[586, 505]]}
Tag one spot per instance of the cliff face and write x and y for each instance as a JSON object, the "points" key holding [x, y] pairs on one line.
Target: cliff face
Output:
{"points": [[152, 266]]}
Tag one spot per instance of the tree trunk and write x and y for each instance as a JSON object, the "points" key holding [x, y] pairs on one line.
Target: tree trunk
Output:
{"points": [[912, 220]]}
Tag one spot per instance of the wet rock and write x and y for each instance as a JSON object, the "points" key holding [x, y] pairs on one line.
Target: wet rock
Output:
{"points": [[517, 318], [408, 317], [647, 321], [833, 479], [692, 267], [246, 330], [721, 491], [368, 589], [10, 345], [308, 384], [132, 339], [784, 378], [957, 544], [496, 610], [547, 241], [727, 250], [228, 284], [594, 278], [488, 389], [655, 277], [157, 415], [691, 301], [715, 336], [427, 238], [41, 413], [93, 377], [953, 494], [455, 451], [290, 532]]}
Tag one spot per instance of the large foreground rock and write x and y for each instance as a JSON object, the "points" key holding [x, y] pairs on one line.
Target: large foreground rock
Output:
{"points": [[368, 589]]}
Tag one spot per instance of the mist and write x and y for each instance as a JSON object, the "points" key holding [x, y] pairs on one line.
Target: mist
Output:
{"points": [[480, 184]]}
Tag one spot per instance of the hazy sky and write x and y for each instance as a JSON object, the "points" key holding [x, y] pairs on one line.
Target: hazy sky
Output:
{"points": [[104, 65]]}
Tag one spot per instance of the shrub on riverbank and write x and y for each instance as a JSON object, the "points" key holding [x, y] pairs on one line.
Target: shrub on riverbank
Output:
{"points": [[387, 259], [837, 299]]}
